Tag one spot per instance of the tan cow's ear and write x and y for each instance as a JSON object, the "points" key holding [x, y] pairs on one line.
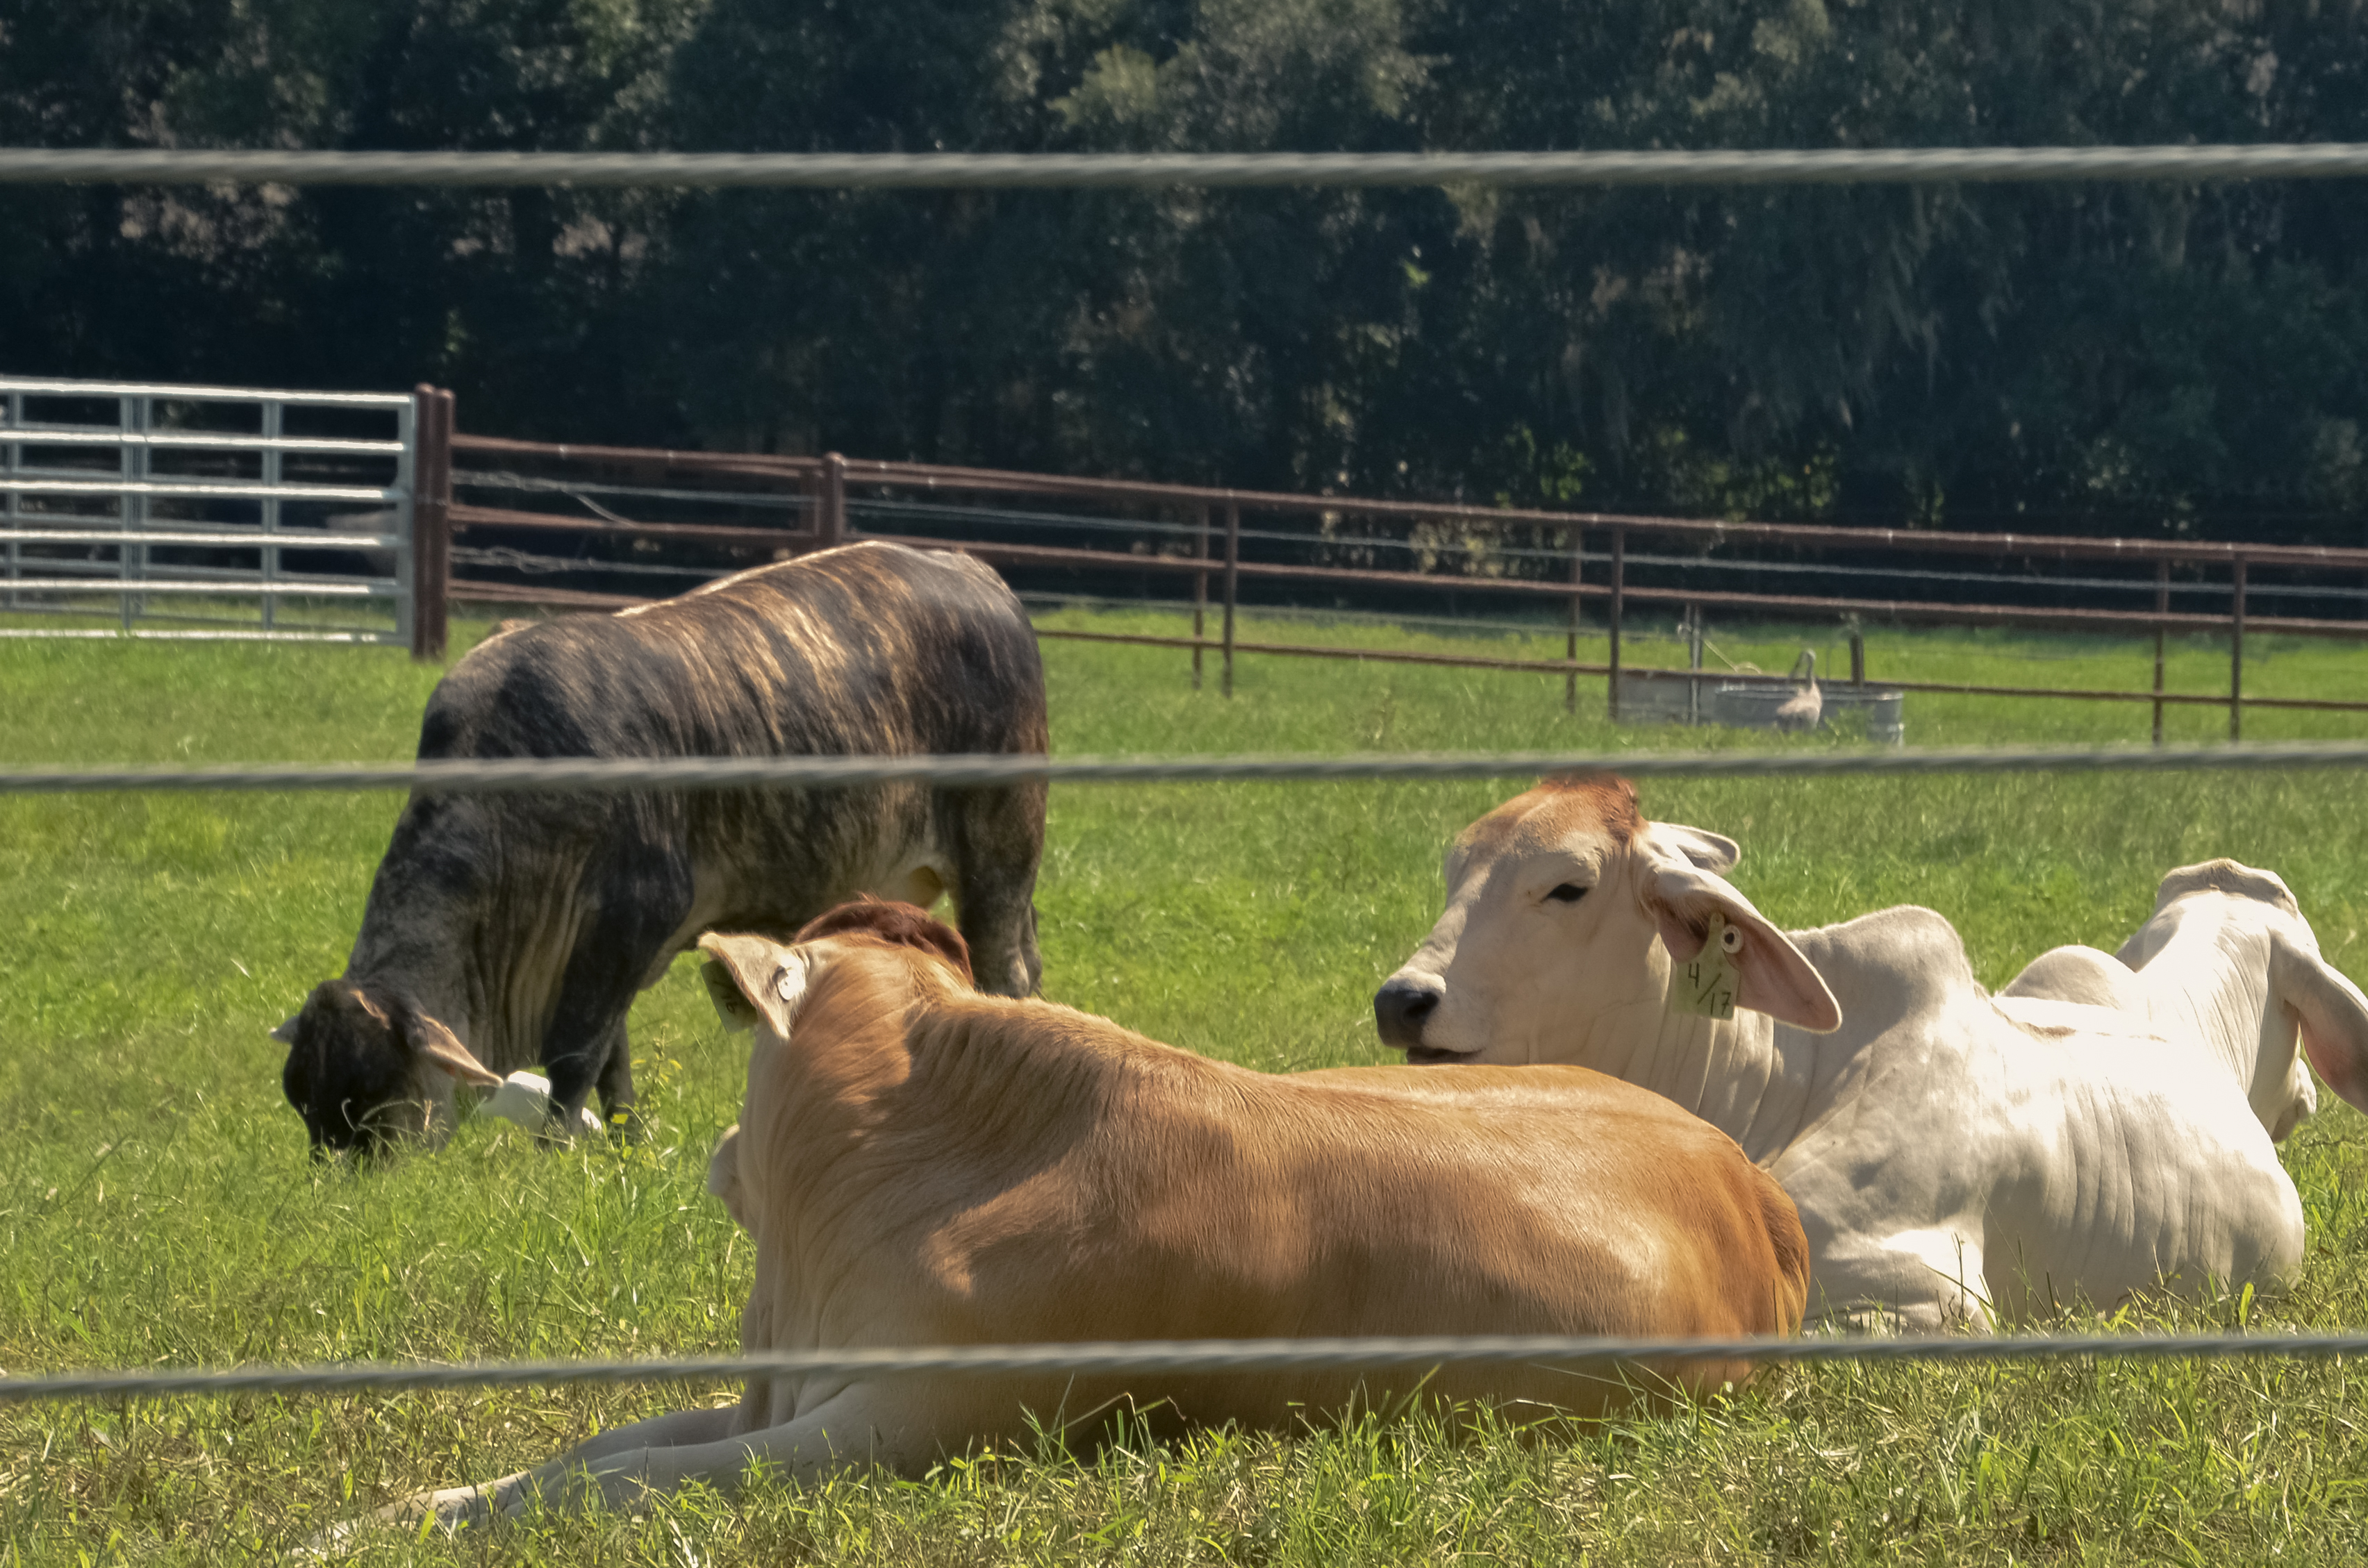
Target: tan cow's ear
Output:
{"points": [[753, 978], [1771, 975], [2333, 1014], [442, 1047]]}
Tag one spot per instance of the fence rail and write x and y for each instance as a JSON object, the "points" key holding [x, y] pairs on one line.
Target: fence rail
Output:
{"points": [[1205, 1356], [542, 775], [1137, 171], [185, 491], [1194, 534]]}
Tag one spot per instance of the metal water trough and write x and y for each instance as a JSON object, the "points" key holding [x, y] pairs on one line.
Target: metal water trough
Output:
{"points": [[1751, 705], [1699, 697]]}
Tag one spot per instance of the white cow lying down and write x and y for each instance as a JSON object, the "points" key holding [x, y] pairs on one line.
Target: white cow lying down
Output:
{"points": [[920, 1165], [2101, 1126]]}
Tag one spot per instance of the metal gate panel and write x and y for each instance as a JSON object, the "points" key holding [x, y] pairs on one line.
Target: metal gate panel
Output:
{"points": [[86, 505]]}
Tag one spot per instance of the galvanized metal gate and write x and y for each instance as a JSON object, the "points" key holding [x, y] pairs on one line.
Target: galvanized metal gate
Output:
{"points": [[205, 512]]}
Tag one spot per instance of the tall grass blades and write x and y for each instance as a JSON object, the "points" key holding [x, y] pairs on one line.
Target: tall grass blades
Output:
{"points": [[156, 1205]]}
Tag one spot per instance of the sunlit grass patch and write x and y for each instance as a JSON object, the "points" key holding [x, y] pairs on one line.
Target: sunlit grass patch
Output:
{"points": [[156, 1205]]}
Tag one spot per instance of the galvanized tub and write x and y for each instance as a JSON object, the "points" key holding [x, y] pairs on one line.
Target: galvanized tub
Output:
{"points": [[1751, 705], [1667, 697]]}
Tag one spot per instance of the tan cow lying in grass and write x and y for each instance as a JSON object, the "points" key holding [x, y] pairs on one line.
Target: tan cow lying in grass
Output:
{"points": [[2103, 1127], [922, 1164]]}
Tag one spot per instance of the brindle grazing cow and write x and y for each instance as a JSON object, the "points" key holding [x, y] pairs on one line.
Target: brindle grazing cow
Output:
{"points": [[512, 930]]}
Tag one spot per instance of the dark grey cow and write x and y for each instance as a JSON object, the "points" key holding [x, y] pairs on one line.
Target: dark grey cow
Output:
{"points": [[509, 931]]}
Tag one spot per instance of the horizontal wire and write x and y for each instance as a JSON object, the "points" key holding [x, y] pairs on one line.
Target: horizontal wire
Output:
{"points": [[947, 171], [511, 776], [526, 561], [928, 511], [1051, 600], [500, 479], [1175, 1356], [1524, 553]]}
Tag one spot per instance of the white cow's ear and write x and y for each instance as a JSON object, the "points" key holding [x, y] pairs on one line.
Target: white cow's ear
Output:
{"points": [[2333, 1014], [1771, 975], [753, 978], [441, 1046], [1709, 851]]}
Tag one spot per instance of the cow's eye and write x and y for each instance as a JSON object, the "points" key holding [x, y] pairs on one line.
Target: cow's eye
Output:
{"points": [[1567, 892]]}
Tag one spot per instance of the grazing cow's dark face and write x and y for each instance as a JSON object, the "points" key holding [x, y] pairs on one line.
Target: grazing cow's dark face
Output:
{"points": [[365, 1071]]}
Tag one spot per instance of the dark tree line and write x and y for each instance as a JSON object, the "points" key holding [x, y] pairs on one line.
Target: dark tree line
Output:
{"points": [[2136, 358]]}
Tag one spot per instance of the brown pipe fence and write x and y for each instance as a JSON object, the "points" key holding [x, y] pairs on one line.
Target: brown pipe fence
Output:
{"points": [[816, 492]]}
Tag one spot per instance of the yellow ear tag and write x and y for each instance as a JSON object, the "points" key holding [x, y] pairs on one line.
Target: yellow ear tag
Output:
{"points": [[1705, 984]]}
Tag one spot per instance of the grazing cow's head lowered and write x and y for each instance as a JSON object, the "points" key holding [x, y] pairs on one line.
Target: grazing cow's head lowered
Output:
{"points": [[367, 1071], [1565, 909]]}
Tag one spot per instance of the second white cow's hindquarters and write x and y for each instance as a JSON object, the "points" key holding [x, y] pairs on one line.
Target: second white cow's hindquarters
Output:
{"points": [[1987, 1159], [2228, 959], [1992, 1171]]}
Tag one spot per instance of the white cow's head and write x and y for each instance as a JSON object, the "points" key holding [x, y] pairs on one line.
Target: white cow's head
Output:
{"points": [[2248, 965], [1565, 908]]}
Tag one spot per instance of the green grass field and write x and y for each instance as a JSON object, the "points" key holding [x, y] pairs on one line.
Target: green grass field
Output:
{"points": [[156, 1206]]}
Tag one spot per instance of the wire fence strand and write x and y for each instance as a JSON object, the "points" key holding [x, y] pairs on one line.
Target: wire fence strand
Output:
{"points": [[947, 170], [528, 775], [1175, 1357]]}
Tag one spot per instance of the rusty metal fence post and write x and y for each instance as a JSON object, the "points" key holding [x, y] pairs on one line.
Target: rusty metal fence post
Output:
{"points": [[1233, 583], [1200, 593], [830, 527], [2161, 606], [2237, 652], [1619, 602], [431, 523], [1570, 644]]}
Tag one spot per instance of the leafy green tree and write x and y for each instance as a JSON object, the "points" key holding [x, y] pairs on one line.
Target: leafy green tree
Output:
{"points": [[2133, 357]]}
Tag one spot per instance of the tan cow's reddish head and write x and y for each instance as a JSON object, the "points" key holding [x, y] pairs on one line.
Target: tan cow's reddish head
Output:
{"points": [[1565, 909]]}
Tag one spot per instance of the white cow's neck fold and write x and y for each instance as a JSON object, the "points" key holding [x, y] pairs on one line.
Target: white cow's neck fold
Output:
{"points": [[1762, 1082], [1747, 1076]]}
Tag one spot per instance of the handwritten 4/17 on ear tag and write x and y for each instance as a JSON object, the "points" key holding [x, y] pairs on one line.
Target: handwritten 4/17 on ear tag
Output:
{"points": [[1705, 984]]}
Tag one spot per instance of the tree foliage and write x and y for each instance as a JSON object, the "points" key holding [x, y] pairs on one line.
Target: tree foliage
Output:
{"points": [[2149, 359]]}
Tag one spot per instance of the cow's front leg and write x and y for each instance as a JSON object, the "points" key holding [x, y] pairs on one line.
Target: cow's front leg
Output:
{"points": [[996, 838], [612, 1081], [1922, 1281], [455, 1507], [636, 909], [579, 1055], [902, 1430], [615, 1085], [858, 1425]]}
